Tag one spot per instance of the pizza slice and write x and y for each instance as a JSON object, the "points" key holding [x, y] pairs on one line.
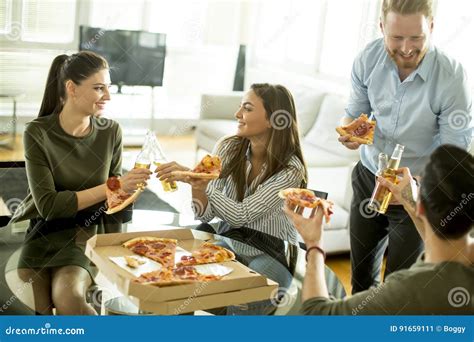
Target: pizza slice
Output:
{"points": [[307, 199], [361, 130], [208, 253], [160, 250], [208, 168], [175, 276], [117, 199]]}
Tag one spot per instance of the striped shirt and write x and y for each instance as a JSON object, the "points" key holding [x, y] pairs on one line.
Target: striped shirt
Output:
{"points": [[261, 208]]}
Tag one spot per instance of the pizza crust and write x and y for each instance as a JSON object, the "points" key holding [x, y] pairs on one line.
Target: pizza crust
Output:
{"points": [[200, 175], [125, 203], [131, 242], [366, 141], [206, 248], [229, 254], [361, 140], [169, 278], [369, 136], [285, 192], [326, 205]]}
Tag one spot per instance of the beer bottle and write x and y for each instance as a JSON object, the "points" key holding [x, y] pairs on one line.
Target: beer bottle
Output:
{"points": [[381, 196]]}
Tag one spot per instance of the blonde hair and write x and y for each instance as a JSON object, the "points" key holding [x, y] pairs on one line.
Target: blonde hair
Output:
{"points": [[404, 7]]}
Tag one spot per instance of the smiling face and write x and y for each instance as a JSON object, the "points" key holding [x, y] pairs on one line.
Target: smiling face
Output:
{"points": [[91, 95], [406, 38], [252, 117]]}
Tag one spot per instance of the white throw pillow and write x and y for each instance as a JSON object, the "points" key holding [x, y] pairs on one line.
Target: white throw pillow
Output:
{"points": [[323, 133], [307, 102]]}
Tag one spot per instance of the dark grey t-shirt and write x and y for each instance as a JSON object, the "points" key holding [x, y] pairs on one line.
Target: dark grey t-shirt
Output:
{"points": [[445, 288]]}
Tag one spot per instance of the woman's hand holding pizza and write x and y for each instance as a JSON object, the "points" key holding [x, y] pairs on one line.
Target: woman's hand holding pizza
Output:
{"points": [[310, 229], [209, 168], [166, 171], [133, 178]]}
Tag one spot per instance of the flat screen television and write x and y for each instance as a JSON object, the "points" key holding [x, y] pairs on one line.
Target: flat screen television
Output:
{"points": [[136, 58]]}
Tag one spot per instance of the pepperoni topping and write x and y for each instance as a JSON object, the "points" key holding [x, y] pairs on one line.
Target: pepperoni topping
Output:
{"points": [[308, 198], [113, 183], [183, 270], [139, 249], [361, 130], [158, 245], [188, 258]]}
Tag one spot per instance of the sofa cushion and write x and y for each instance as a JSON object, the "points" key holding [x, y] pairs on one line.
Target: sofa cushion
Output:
{"points": [[318, 157], [220, 106], [307, 102], [217, 128], [323, 133], [209, 132]]}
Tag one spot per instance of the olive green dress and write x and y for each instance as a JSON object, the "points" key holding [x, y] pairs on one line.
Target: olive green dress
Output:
{"points": [[58, 165]]}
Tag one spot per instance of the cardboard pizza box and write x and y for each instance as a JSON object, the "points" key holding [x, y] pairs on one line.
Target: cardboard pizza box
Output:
{"points": [[242, 285], [194, 303]]}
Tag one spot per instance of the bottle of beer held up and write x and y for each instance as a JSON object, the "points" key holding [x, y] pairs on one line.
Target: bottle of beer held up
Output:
{"points": [[381, 196]]}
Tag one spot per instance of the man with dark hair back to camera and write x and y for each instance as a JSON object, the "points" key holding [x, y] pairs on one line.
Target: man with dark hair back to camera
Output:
{"points": [[441, 282], [420, 99]]}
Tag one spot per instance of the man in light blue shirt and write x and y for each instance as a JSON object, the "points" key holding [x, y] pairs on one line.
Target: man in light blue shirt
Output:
{"points": [[420, 99]]}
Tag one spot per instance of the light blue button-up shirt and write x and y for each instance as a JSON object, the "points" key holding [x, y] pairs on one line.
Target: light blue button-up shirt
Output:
{"points": [[431, 107]]}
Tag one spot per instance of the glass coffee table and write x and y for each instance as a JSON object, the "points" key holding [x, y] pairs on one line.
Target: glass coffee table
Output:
{"points": [[271, 257]]}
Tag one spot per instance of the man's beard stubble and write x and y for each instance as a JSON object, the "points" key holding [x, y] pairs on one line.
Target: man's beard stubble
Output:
{"points": [[395, 56]]}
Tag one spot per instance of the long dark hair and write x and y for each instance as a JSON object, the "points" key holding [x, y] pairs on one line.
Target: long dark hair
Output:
{"points": [[76, 68], [447, 191], [284, 137]]}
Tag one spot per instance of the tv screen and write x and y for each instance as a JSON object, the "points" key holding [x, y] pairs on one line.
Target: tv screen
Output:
{"points": [[135, 57]]}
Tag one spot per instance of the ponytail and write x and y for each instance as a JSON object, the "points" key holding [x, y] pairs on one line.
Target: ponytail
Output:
{"points": [[76, 68], [54, 92]]}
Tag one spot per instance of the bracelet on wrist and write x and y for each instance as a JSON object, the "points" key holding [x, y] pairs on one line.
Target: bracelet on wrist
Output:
{"points": [[319, 249]]}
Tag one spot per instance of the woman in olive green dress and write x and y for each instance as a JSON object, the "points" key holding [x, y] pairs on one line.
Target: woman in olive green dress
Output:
{"points": [[70, 151]]}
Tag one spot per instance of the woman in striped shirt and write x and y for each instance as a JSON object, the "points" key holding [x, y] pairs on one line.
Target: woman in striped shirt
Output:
{"points": [[263, 157]]}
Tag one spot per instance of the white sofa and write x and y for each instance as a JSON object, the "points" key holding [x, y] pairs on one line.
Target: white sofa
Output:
{"points": [[329, 163]]}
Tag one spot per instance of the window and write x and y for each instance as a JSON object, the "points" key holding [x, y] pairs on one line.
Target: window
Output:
{"points": [[37, 21], [454, 29], [280, 28], [200, 58], [32, 33], [349, 26], [49, 21], [5, 16], [189, 30], [119, 14], [314, 37]]}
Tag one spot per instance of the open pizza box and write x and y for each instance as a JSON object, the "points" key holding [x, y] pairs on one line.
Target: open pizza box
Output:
{"points": [[242, 285]]}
